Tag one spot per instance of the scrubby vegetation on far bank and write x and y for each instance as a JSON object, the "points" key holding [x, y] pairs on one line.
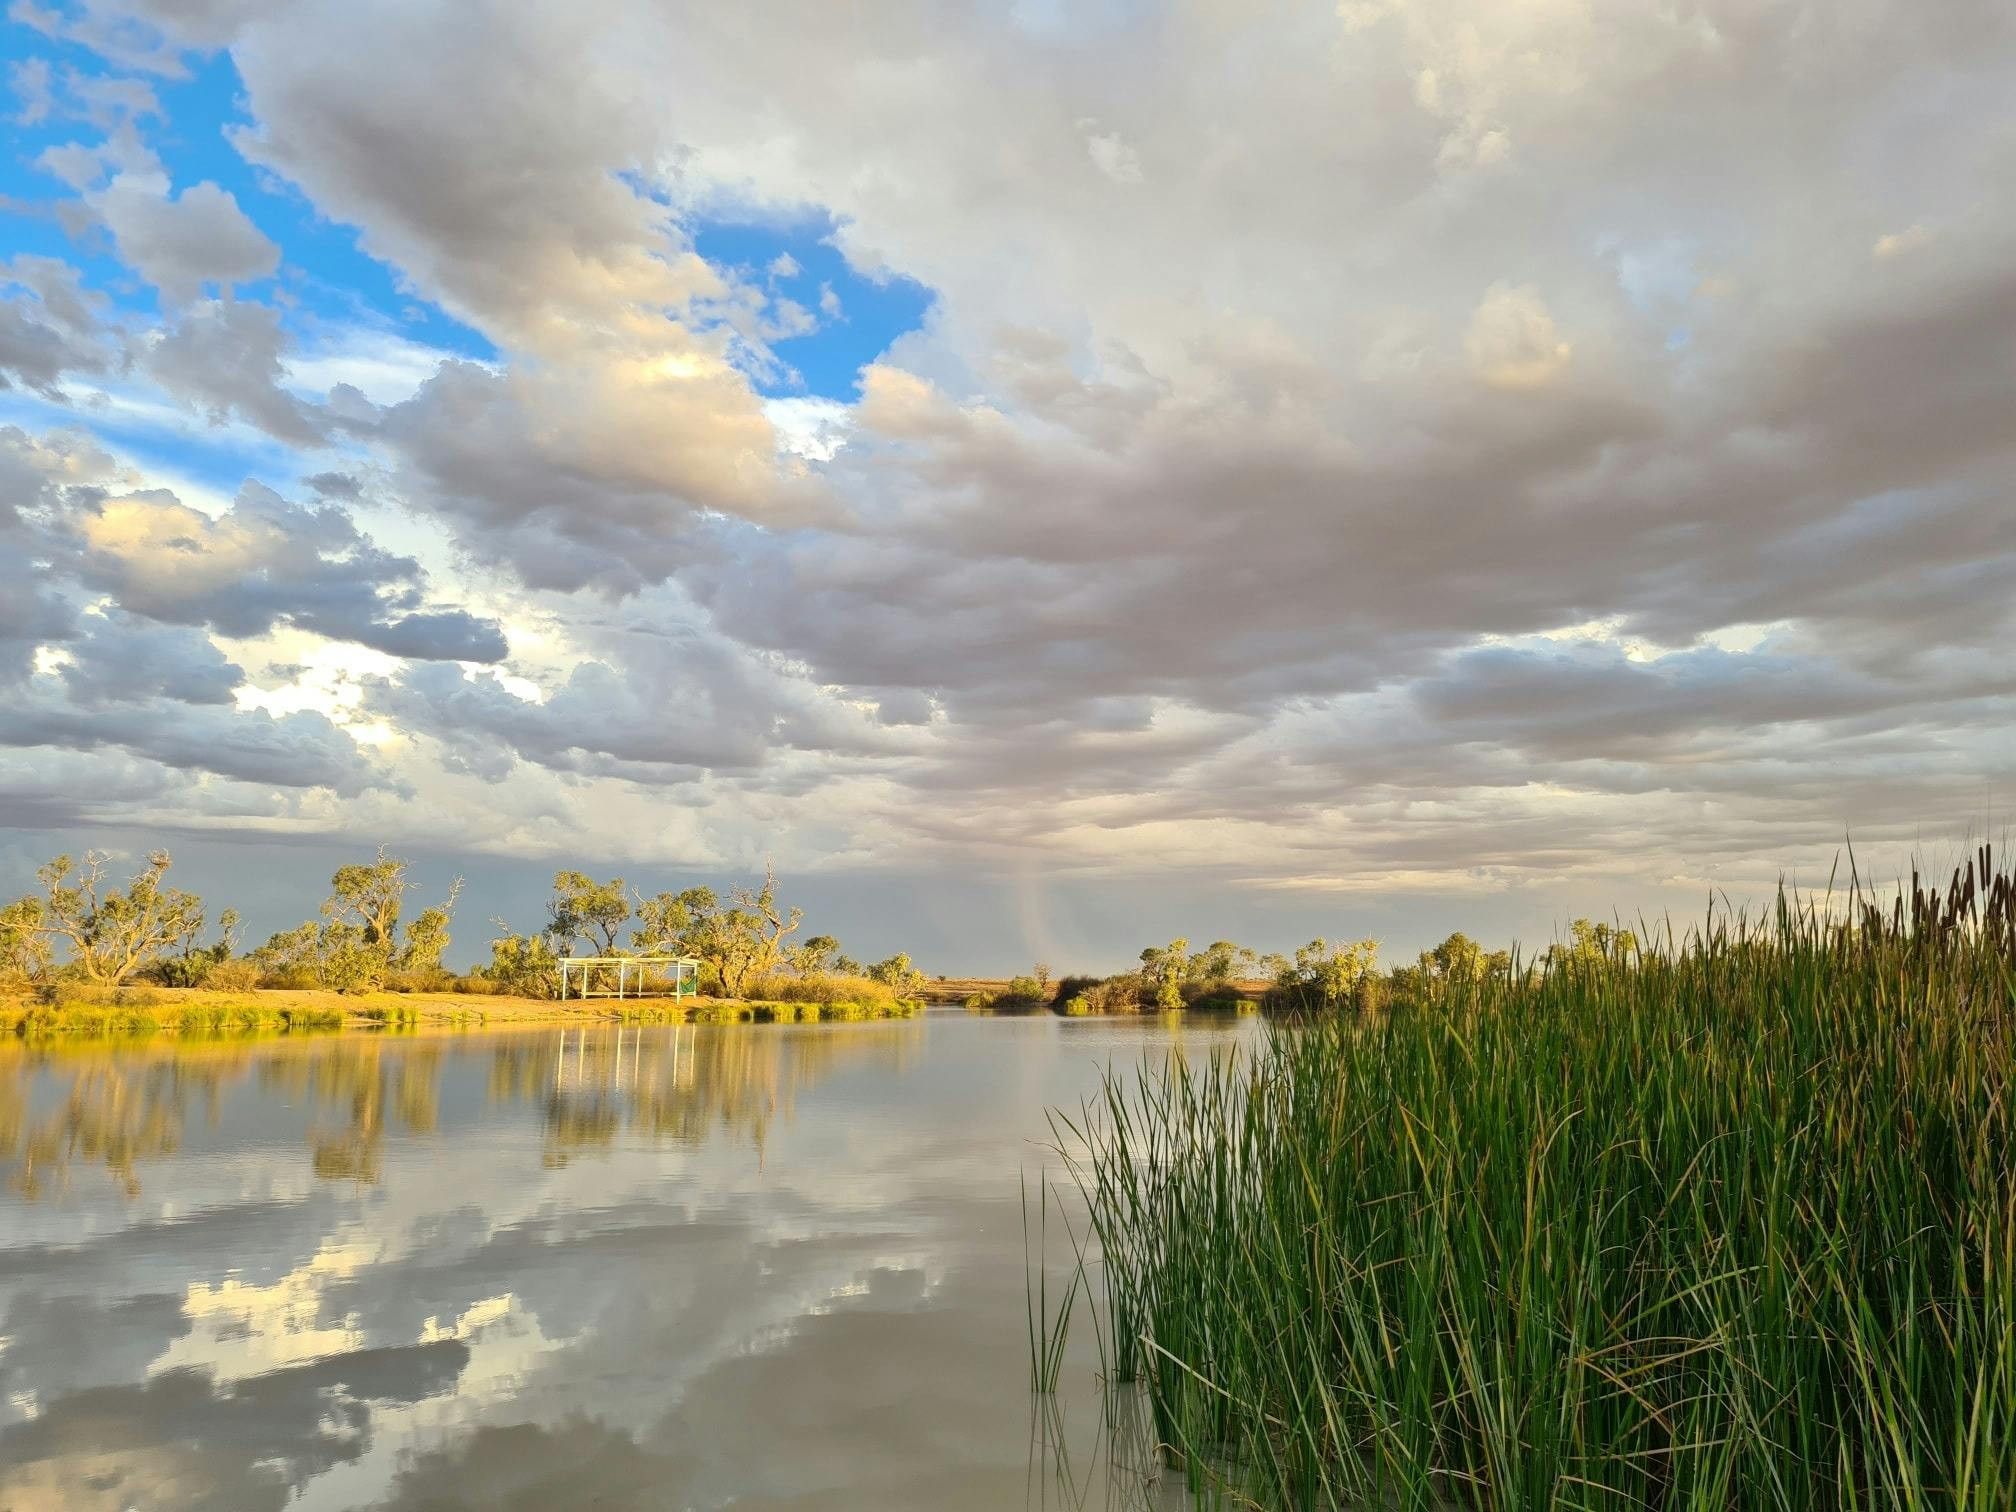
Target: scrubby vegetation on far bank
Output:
{"points": [[1320, 977], [93, 952], [90, 949]]}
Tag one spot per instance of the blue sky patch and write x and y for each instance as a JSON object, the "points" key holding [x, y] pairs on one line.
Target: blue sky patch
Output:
{"points": [[858, 316], [326, 277]]}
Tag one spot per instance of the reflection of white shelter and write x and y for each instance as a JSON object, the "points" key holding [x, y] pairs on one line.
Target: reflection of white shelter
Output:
{"points": [[620, 976]]}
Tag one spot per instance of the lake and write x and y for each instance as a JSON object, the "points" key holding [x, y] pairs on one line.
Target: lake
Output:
{"points": [[750, 1266]]}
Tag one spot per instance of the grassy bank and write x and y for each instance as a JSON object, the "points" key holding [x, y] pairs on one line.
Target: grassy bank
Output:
{"points": [[195, 1010], [1728, 1224]]}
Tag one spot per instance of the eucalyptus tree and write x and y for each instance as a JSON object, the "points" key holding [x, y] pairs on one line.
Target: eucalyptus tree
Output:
{"points": [[356, 943], [110, 931], [583, 909], [735, 942], [24, 945]]}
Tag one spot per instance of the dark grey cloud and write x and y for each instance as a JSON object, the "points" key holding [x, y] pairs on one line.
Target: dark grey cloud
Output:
{"points": [[298, 750], [1592, 701], [665, 702], [334, 485], [30, 615], [31, 612], [50, 325], [269, 561], [118, 658], [51, 789]]}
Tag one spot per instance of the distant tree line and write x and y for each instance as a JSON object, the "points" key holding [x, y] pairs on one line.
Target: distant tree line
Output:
{"points": [[1320, 977], [87, 925]]}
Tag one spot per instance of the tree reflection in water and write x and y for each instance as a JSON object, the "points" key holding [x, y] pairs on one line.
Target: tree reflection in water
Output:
{"points": [[682, 1085], [67, 1106]]}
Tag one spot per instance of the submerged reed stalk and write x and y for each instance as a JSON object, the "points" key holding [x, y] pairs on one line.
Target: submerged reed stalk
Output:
{"points": [[1728, 1222], [1049, 1330]]}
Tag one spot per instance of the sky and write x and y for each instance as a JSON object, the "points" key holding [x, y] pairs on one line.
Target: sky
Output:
{"points": [[1050, 478]]}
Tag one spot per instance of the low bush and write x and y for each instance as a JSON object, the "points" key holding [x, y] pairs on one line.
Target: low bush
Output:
{"points": [[1221, 999], [1126, 993], [424, 979], [1023, 994], [821, 987], [70, 992], [231, 976]]}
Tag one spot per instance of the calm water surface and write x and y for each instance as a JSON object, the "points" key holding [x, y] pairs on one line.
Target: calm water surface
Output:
{"points": [[742, 1266]]}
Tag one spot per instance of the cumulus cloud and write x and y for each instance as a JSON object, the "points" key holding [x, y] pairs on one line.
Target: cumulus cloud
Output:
{"points": [[590, 475], [118, 658], [299, 750], [182, 242], [112, 593], [267, 561], [226, 361]]}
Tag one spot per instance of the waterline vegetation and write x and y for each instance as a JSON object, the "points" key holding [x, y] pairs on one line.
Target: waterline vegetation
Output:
{"points": [[1721, 1220]]}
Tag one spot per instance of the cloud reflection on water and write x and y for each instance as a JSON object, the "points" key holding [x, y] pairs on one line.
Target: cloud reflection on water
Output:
{"points": [[775, 1264]]}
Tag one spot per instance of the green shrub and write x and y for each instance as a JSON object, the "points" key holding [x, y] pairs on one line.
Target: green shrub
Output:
{"points": [[1115, 994], [521, 966], [1021, 995], [1218, 999]]}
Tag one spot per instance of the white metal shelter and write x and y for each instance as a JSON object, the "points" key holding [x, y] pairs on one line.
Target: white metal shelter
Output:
{"points": [[621, 976]]}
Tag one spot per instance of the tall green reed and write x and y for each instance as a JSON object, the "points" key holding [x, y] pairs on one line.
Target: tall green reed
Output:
{"points": [[1729, 1222]]}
